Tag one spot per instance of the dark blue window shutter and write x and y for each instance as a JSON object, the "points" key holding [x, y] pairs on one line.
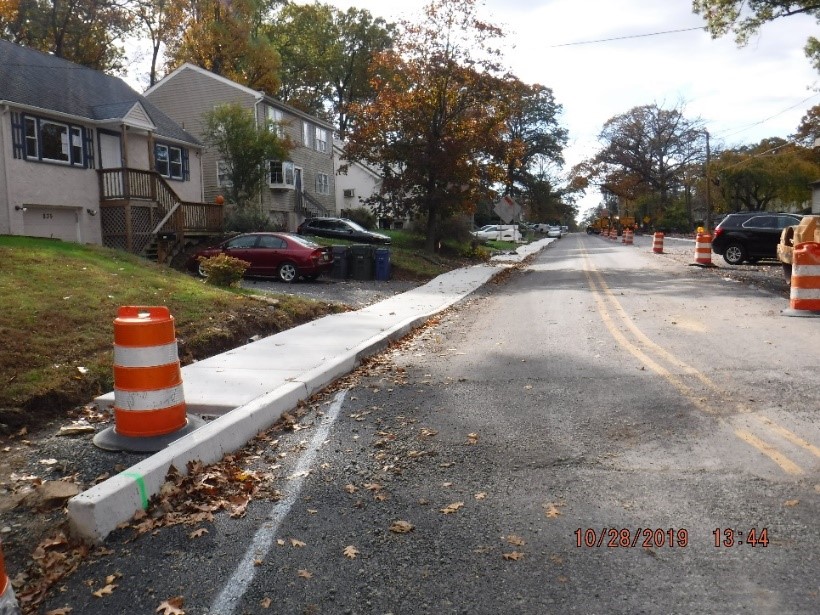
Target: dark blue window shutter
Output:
{"points": [[88, 146], [17, 135], [186, 169]]}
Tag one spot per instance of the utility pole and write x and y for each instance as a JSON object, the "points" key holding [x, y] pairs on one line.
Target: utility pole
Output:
{"points": [[708, 220]]}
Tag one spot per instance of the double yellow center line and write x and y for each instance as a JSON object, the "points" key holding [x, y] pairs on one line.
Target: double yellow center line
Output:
{"points": [[650, 354]]}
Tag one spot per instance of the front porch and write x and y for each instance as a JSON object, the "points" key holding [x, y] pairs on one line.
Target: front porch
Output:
{"points": [[140, 213]]}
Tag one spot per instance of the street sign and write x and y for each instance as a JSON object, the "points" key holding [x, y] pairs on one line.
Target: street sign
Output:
{"points": [[507, 208]]}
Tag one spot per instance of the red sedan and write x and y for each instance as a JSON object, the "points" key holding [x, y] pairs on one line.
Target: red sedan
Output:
{"points": [[280, 255]]}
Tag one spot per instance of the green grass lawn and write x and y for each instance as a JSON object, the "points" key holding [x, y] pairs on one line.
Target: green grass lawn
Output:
{"points": [[58, 301]]}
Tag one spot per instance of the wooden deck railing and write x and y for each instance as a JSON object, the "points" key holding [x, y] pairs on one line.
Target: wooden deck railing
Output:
{"points": [[140, 207]]}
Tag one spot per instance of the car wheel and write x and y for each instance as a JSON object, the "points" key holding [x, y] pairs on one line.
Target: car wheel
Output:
{"points": [[735, 254], [287, 272]]}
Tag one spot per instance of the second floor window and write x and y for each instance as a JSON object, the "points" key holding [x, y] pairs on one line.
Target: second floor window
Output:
{"points": [[223, 178], [275, 117], [307, 134], [321, 139]]}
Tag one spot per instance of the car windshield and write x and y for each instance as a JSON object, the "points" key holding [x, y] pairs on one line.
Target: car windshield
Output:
{"points": [[356, 227], [302, 241]]}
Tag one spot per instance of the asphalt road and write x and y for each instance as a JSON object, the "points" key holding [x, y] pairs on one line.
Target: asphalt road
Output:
{"points": [[604, 431]]}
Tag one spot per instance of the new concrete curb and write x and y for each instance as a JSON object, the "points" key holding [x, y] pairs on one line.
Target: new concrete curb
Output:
{"points": [[95, 513]]}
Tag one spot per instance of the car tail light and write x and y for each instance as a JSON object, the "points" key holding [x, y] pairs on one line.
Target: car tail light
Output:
{"points": [[717, 233]]}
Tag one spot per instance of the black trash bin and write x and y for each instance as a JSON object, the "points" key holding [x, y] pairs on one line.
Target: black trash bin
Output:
{"points": [[340, 269], [361, 262], [382, 260]]}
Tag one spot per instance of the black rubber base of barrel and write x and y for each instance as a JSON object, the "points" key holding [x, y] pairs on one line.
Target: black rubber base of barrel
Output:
{"points": [[800, 313], [109, 440]]}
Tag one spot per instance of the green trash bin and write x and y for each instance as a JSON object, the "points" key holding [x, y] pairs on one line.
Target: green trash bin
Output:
{"points": [[361, 262], [340, 270]]}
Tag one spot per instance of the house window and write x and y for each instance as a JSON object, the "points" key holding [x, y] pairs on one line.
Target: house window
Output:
{"points": [[53, 141], [223, 177], [276, 118], [170, 161], [321, 139], [281, 173], [307, 134], [322, 183]]}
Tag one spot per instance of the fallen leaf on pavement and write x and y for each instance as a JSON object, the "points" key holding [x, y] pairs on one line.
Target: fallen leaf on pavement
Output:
{"points": [[351, 488], [266, 602], [198, 533], [425, 432], [451, 508], [63, 611], [481, 495], [172, 606], [105, 591], [792, 503], [515, 540], [296, 543], [372, 486], [401, 527], [305, 574], [472, 438], [513, 555], [351, 552], [552, 511]]}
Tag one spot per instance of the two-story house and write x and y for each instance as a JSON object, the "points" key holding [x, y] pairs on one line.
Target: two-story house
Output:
{"points": [[85, 158], [299, 187]]}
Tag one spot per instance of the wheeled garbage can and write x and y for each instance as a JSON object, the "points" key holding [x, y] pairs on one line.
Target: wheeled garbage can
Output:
{"points": [[382, 260]]}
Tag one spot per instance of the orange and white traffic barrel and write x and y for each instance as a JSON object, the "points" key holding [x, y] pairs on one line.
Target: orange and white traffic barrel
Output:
{"points": [[703, 250], [8, 601], [149, 401], [657, 243], [804, 295], [628, 237]]}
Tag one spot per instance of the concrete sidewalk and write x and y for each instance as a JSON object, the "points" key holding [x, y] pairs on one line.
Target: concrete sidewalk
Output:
{"points": [[249, 388]]}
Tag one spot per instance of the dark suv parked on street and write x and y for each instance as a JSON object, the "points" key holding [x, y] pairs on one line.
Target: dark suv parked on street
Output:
{"points": [[340, 228], [750, 236]]}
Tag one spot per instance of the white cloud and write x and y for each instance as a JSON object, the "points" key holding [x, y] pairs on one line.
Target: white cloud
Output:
{"points": [[733, 89]]}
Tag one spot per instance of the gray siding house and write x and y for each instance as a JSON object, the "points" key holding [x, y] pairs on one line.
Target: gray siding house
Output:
{"points": [[301, 186], [85, 158]]}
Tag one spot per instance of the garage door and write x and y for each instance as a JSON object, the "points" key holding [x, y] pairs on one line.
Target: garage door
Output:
{"points": [[53, 222]]}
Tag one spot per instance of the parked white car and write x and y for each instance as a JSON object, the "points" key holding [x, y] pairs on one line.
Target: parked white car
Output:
{"points": [[554, 231], [499, 232]]}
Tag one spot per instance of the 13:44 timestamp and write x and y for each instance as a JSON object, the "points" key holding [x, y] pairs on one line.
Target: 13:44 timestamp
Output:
{"points": [[728, 537]]}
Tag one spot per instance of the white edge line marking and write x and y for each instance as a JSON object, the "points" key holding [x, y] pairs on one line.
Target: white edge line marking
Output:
{"points": [[243, 576]]}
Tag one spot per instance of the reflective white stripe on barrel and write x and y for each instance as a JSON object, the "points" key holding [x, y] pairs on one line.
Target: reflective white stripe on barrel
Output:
{"points": [[804, 293], [141, 401], [807, 271], [148, 356]]}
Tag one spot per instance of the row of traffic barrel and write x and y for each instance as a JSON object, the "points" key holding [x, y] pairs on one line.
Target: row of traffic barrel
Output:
{"points": [[360, 262]]}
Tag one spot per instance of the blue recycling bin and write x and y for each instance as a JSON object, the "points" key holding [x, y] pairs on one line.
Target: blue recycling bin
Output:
{"points": [[382, 264]]}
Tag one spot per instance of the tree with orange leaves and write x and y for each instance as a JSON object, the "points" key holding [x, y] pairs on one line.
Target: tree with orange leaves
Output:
{"points": [[435, 119]]}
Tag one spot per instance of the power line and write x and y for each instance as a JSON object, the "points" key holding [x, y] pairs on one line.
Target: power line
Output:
{"points": [[771, 117], [621, 38]]}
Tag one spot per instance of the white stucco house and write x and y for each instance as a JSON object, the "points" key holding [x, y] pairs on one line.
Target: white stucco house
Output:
{"points": [[85, 158]]}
